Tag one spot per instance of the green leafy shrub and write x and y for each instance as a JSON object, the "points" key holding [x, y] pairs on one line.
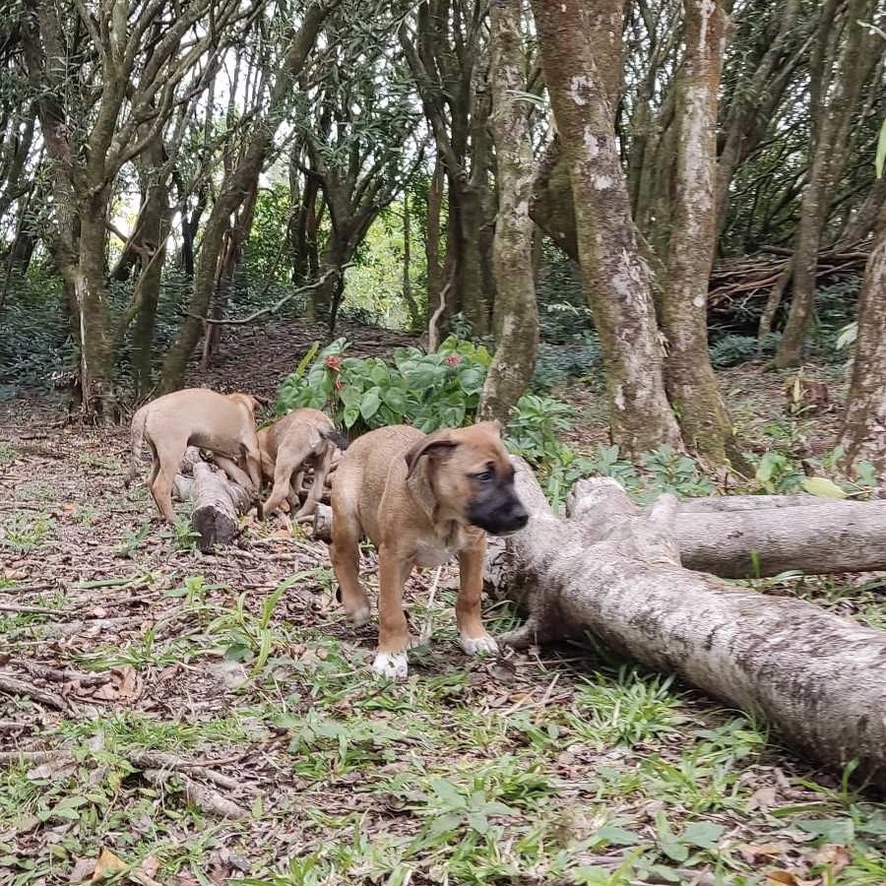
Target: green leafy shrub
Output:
{"points": [[731, 349], [428, 391]]}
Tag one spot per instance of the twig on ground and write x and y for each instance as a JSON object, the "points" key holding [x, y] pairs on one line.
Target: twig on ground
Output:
{"points": [[19, 609], [206, 798], [162, 760], [14, 686], [13, 725], [60, 676]]}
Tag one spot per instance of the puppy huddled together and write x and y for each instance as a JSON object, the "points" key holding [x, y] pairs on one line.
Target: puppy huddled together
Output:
{"points": [[420, 499]]}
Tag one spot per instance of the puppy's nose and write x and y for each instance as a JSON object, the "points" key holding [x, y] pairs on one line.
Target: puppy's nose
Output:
{"points": [[519, 514]]}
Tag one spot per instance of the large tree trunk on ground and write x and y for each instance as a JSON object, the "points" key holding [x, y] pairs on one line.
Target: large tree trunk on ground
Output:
{"points": [[818, 679], [516, 314], [581, 59], [755, 536]]}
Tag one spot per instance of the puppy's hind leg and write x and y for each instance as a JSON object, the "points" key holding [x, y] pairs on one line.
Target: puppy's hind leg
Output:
{"points": [[168, 459], [345, 555]]}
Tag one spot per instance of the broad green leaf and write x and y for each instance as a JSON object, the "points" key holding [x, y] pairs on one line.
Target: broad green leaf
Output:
{"points": [[832, 830], [370, 403], [823, 488], [703, 834], [615, 836]]}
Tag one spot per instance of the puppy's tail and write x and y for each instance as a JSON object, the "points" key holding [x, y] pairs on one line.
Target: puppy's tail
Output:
{"points": [[138, 439], [339, 440]]}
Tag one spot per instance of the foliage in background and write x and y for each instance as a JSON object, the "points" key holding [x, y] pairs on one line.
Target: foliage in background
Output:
{"points": [[428, 391], [34, 342]]}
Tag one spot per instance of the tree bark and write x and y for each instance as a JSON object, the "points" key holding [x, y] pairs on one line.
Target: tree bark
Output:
{"points": [[691, 382], [446, 56], [818, 679], [242, 181], [835, 95], [581, 61], [218, 502], [516, 313], [864, 428]]}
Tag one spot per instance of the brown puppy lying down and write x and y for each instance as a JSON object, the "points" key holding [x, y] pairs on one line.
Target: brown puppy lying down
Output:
{"points": [[421, 499], [222, 423], [305, 438]]}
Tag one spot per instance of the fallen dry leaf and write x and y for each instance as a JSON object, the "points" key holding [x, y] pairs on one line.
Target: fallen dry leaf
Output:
{"points": [[762, 798], [150, 865], [754, 852], [107, 865], [777, 878], [83, 869], [835, 856]]}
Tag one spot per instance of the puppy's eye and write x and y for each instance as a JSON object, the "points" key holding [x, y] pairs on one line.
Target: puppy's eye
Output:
{"points": [[485, 476]]}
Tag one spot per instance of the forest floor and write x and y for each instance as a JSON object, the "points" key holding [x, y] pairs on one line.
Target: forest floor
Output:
{"points": [[169, 717]]}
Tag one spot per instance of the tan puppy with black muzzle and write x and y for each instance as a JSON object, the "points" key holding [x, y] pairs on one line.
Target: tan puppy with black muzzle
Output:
{"points": [[305, 438], [222, 423], [421, 499]]}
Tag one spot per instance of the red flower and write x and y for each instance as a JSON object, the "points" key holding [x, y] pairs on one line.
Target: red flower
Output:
{"points": [[334, 363], [453, 360], [338, 384]]}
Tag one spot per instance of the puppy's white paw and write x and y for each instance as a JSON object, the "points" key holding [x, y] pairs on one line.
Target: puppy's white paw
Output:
{"points": [[361, 616], [392, 665], [484, 645]]}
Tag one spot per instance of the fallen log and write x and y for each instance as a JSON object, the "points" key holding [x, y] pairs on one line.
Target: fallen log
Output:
{"points": [[817, 537], [819, 680], [218, 502], [754, 536]]}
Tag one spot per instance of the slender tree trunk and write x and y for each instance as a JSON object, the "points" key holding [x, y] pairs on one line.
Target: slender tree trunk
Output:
{"points": [[432, 238], [242, 181], [516, 313], [691, 383], [90, 288], [578, 54], [408, 295], [154, 222], [864, 428], [835, 97]]}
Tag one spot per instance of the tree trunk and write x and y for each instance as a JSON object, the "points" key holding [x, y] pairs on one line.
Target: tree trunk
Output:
{"points": [[551, 207], [755, 536], [149, 242], [864, 429], [818, 679], [516, 313], [90, 288], [241, 182], [432, 235], [691, 383], [578, 53], [415, 322], [834, 100]]}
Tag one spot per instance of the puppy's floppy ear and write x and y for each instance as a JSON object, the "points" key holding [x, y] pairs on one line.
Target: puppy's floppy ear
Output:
{"points": [[494, 425], [435, 446]]}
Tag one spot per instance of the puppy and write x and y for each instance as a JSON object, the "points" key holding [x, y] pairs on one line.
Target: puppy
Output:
{"points": [[305, 438], [421, 499], [222, 423]]}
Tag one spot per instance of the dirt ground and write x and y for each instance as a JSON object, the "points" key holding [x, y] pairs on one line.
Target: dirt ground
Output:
{"points": [[169, 717]]}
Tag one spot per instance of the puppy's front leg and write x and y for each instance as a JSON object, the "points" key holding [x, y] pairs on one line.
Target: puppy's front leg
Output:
{"points": [[472, 635], [393, 630]]}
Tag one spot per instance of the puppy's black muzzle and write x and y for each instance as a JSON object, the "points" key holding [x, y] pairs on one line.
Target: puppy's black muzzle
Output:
{"points": [[499, 512]]}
